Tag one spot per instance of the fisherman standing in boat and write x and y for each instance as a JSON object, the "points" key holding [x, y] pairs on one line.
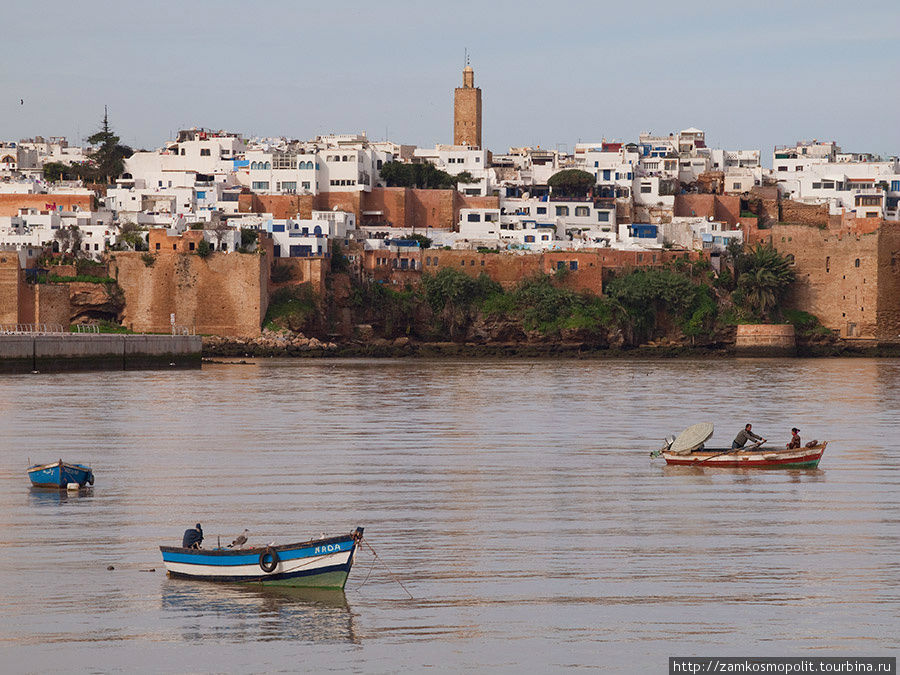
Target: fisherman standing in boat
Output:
{"points": [[745, 435], [192, 537]]}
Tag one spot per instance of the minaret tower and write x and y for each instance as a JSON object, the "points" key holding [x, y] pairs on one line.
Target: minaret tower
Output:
{"points": [[467, 111]]}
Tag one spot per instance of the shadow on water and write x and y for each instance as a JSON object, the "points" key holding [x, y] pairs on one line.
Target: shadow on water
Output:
{"points": [[54, 497], [242, 612], [745, 475]]}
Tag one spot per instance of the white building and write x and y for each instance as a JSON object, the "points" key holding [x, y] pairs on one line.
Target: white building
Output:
{"points": [[36, 229]]}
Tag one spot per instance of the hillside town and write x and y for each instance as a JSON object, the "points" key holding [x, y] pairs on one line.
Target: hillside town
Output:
{"points": [[200, 232]]}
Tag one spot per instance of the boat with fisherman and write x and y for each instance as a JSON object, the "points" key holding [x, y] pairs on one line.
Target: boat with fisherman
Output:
{"points": [[60, 475], [689, 449], [316, 563]]}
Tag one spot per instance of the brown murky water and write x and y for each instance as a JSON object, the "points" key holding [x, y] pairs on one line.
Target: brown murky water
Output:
{"points": [[515, 499]]}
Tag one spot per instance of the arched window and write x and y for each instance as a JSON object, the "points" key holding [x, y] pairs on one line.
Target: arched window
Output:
{"points": [[346, 159], [268, 165], [252, 165], [790, 258], [317, 230]]}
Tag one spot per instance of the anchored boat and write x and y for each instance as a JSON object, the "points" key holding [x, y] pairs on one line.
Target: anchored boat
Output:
{"points": [[688, 449], [60, 474], [318, 563]]}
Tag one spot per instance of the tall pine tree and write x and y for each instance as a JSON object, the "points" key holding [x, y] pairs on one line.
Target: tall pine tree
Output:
{"points": [[108, 156]]}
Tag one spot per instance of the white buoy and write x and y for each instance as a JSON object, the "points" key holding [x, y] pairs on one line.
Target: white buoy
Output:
{"points": [[72, 486]]}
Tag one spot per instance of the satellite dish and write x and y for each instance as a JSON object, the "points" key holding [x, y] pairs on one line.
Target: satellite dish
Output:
{"points": [[692, 438]]}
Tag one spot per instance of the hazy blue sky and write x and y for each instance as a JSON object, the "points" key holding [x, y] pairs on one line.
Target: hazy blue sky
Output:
{"points": [[752, 74]]}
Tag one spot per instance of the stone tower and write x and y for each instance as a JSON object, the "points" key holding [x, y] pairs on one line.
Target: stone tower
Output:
{"points": [[467, 111]]}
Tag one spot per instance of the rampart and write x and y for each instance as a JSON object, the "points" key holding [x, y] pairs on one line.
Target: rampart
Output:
{"points": [[221, 294]]}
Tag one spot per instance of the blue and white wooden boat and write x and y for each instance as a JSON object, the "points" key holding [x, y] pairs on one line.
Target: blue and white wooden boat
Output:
{"points": [[318, 563], [60, 474]]}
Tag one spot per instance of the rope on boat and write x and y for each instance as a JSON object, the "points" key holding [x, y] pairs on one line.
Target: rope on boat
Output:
{"points": [[368, 574], [388, 569]]}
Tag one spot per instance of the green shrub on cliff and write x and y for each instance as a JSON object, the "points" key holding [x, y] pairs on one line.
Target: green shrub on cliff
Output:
{"points": [[393, 311], [804, 323], [454, 298], [450, 287], [203, 248], [294, 307], [646, 293], [282, 272], [550, 309]]}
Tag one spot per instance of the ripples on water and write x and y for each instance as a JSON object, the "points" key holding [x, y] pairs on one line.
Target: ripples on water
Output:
{"points": [[515, 499]]}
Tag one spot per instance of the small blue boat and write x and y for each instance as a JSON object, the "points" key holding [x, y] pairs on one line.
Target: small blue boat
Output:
{"points": [[60, 474], [318, 563]]}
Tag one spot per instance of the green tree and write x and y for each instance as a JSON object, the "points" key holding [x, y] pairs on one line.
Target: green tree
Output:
{"points": [[132, 235], [108, 157], [763, 277], [453, 296], [571, 183], [203, 248], [424, 242], [248, 238], [57, 171], [426, 176]]}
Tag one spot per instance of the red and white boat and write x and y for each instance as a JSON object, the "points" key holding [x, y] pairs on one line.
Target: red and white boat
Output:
{"points": [[688, 449]]}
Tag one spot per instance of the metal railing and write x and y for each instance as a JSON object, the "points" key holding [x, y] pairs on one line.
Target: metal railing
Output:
{"points": [[183, 330], [31, 328]]}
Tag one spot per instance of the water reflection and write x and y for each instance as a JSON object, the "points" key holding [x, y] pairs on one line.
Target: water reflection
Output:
{"points": [[516, 501], [258, 613], [53, 497]]}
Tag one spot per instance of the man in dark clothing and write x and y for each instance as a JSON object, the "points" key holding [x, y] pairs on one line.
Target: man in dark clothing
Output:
{"points": [[745, 435], [795, 439], [193, 538]]}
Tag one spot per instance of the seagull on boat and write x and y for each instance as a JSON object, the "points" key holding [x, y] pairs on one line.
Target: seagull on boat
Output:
{"points": [[240, 540]]}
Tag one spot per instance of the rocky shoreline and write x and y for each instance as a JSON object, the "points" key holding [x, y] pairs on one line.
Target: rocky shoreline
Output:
{"points": [[285, 343]]}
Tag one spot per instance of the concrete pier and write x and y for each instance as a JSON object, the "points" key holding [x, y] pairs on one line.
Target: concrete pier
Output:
{"points": [[71, 351]]}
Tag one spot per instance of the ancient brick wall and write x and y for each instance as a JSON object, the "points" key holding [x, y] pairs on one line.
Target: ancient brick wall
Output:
{"points": [[766, 338], [837, 276], [724, 208], [51, 304], [350, 202], [10, 280], [305, 270], [385, 205], [431, 208], [280, 206], [11, 203], [888, 312], [222, 294], [804, 214], [401, 207]]}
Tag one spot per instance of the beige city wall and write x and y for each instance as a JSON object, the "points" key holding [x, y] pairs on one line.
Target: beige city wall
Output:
{"points": [[222, 294]]}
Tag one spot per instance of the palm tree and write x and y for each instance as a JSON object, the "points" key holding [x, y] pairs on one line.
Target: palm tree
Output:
{"points": [[763, 278]]}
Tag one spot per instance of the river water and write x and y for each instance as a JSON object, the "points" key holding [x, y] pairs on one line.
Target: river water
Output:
{"points": [[514, 499]]}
